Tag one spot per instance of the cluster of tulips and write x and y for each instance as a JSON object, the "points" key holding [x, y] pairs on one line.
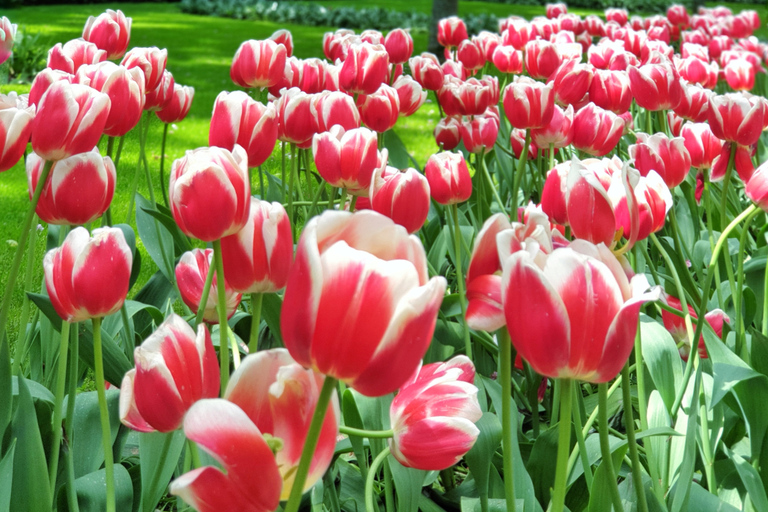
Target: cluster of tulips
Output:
{"points": [[564, 173]]}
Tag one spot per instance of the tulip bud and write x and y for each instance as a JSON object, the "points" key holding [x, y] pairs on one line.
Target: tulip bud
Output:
{"points": [[528, 104], [73, 54], [694, 103], [151, 61], [479, 133], [471, 55], [162, 95], [239, 120], [411, 95], [43, 80], [517, 144], [76, 272], [399, 45], [191, 272], [508, 60], [297, 116], [610, 90], [7, 36], [666, 156], [346, 159], [448, 132], [365, 68], [620, 16], [16, 122], [596, 131], [335, 108], [178, 108], [656, 86], [448, 177], [555, 10], [258, 63], [571, 82], [403, 196], [109, 31], [125, 88], [284, 37], [379, 111], [740, 75], [335, 44], [701, 144], [427, 71], [451, 31], [757, 187], [517, 34]]}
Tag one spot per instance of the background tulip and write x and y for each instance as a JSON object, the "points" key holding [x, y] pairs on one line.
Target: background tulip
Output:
{"points": [[178, 107], [15, 129], [191, 273], [379, 111], [399, 45], [7, 36], [451, 31], [676, 326], [238, 119], [448, 177], [152, 63], [73, 54], [284, 37], [427, 71], [411, 95], [125, 88], [666, 156], [109, 31], [346, 159], [596, 131], [656, 86], [403, 196], [365, 68], [448, 132], [297, 116], [528, 104], [160, 96], [335, 107], [258, 63]]}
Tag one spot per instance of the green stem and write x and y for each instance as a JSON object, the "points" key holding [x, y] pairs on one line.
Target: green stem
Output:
{"points": [[505, 375], [343, 200], [707, 450], [765, 300], [127, 332], [493, 187], [13, 274], [162, 165], [605, 447], [29, 273], [389, 498], [74, 361], [119, 150], [678, 284], [724, 218], [282, 169], [711, 233], [222, 306], [629, 423], [370, 504], [256, 300], [106, 435], [563, 447], [519, 171], [194, 453], [533, 398], [261, 183], [204, 296], [370, 434], [460, 278], [290, 188], [739, 297], [142, 133], [61, 381], [580, 437], [663, 125], [294, 500]]}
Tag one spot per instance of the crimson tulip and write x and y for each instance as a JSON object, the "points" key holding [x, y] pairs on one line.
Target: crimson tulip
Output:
{"points": [[348, 158], [610, 90], [399, 45], [365, 68], [451, 31], [480, 132], [297, 116], [676, 326], [571, 82], [596, 131], [508, 60], [178, 107], [666, 156], [258, 63], [379, 111], [701, 144], [517, 33], [557, 132], [284, 37], [694, 103], [239, 119], [412, 96], [335, 107], [7, 36], [109, 31], [470, 55], [541, 59], [426, 71], [448, 132], [656, 86], [160, 96], [736, 117], [740, 75], [403, 196], [43, 80], [528, 104]]}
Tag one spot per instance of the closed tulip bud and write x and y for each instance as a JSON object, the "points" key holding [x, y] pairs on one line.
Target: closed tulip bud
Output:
{"points": [[125, 88], [240, 120], [162, 95], [555, 10], [175, 367], [258, 63], [697, 71], [448, 177], [433, 416], [488, 42], [73, 54], [471, 55], [479, 133], [411, 95], [596, 131], [360, 266], [7, 36], [528, 104], [223, 430], [553, 193], [43, 80], [379, 111], [403, 196], [178, 108], [152, 63], [571, 82], [694, 103], [451, 31], [109, 31], [78, 191], [508, 60], [297, 116], [399, 45], [736, 117], [557, 132], [427, 71], [210, 192], [622, 61], [666, 156], [16, 121], [346, 159], [365, 68], [656, 86], [517, 144], [594, 25], [284, 37], [309, 77], [610, 90], [620, 16], [70, 119], [701, 144], [571, 337], [541, 59], [191, 272], [335, 107], [757, 187], [740, 75], [448, 132], [76, 272], [676, 326]]}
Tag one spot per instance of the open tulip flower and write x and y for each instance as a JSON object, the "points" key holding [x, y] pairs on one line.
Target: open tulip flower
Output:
{"points": [[109, 31], [347, 158], [239, 119], [668, 157], [359, 305], [125, 88], [737, 117], [152, 63], [178, 107], [15, 128], [70, 56]]}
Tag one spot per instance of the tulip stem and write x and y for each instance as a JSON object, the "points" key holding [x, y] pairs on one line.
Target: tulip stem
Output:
{"points": [[253, 343], [580, 436], [222, 306], [724, 217], [505, 375], [194, 454], [460, 278], [290, 188], [74, 362], [493, 187], [61, 380], [605, 446], [765, 302], [261, 184], [519, 171], [663, 125], [678, 285], [163, 188], [370, 505], [204, 296], [563, 446], [629, 424], [739, 297], [13, 274], [28, 275], [370, 434], [106, 435], [313, 434]]}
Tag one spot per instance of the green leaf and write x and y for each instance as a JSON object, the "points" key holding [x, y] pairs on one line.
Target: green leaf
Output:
{"points": [[165, 217], [494, 505], [6, 391], [156, 239], [701, 499], [6, 478], [408, 483], [156, 292], [86, 446], [90, 490], [398, 154], [30, 472], [352, 488], [113, 323], [480, 457], [116, 364], [45, 306], [158, 454], [271, 306], [662, 359], [130, 239], [751, 480], [600, 494], [659, 418], [352, 419], [275, 187]]}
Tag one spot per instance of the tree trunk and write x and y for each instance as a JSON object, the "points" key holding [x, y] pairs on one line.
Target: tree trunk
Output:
{"points": [[440, 9]]}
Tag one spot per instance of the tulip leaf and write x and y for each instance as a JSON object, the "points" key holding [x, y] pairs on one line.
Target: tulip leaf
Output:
{"points": [[86, 446], [398, 154], [181, 241], [91, 495], [30, 491], [158, 454], [155, 293], [352, 419], [701, 499], [275, 190], [751, 480], [662, 359], [480, 457], [130, 239], [156, 239], [352, 488], [116, 363], [271, 306], [439, 248], [6, 477], [408, 483], [494, 505], [45, 306], [6, 391], [759, 352], [600, 495], [659, 418]]}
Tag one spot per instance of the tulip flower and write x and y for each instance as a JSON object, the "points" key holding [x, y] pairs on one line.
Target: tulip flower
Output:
{"points": [[257, 258], [78, 191], [284, 37], [541, 59], [740, 75], [239, 120], [517, 34], [152, 63], [659, 153], [297, 116], [571, 82], [433, 416], [346, 159], [403, 196], [7, 36], [448, 177], [175, 367], [379, 111], [75, 274], [676, 326], [694, 103], [698, 71], [479, 133], [488, 42], [508, 60], [223, 430], [70, 119], [365, 68], [610, 90], [558, 132], [359, 306], [517, 144], [554, 329], [258, 63], [279, 397], [335, 44], [162, 95], [701, 144], [466, 98], [210, 192], [470, 55], [736, 117], [426, 71], [109, 31], [554, 192], [620, 16], [399, 45], [596, 131], [16, 121], [451, 31], [125, 88], [191, 273], [335, 107], [555, 10], [73, 54], [448, 132], [412, 96], [528, 104], [742, 162], [656, 86], [43, 80], [178, 107]]}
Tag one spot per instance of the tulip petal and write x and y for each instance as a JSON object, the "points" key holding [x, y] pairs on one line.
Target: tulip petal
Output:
{"points": [[434, 444]]}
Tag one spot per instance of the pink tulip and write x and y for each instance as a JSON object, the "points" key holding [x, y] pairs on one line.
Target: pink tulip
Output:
{"points": [[427, 71], [666, 156], [174, 369], [162, 95], [676, 326], [258, 63], [517, 144], [359, 305], [7, 36], [297, 116], [601, 54], [541, 59], [701, 144], [43, 80], [757, 187], [109, 31], [411, 95], [610, 90], [740, 75], [257, 258], [571, 82], [70, 119], [620, 16], [451, 31], [335, 108], [210, 192], [554, 192], [73, 54], [279, 397], [365, 68], [152, 63], [488, 42], [78, 191], [517, 34], [178, 107], [694, 103], [284, 37], [698, 71], [466, 98], [656, 86], [403, 196], [335, 44], [448, 132], [379, 111], [596, 131], [191, 272], [75, 274], [125, 88], [399, 45], [448, 177], [433, 416], [16, 122], [557, 132], [508, 60], [479, 133], [346, 159], [528, 104], [555, 10], [736, 117], [239, 120], [471, 55]]}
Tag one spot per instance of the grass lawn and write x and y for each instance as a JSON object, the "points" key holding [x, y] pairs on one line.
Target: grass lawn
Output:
{"points": [[200, 50]]}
